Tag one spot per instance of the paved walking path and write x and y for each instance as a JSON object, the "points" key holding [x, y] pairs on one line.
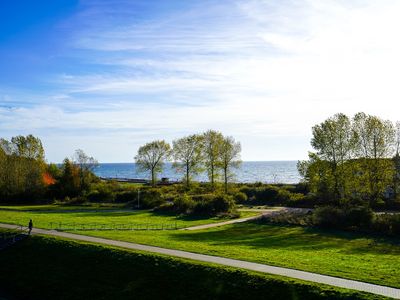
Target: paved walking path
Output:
{"points": [[205, 226], [308, 276], [263, 212]]}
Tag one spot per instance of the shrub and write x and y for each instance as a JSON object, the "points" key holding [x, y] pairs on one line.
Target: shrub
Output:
{"points": [[360, 216], [184, 204], [222, 203], [103, 194], [151, 198], [328, 216], [240, 197], [213, 204], [123, 197], [387, 223]]}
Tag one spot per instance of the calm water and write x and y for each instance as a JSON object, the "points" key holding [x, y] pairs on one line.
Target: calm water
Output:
{"points": [[264, 171]]}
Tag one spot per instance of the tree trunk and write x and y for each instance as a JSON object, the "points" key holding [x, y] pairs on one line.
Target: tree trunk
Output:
{"points": [[153, 178], [226, 179], [187, 176]]}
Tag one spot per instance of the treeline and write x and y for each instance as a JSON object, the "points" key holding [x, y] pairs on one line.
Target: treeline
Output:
{"points": [[26, 177], [210, 151], [22, 168], [356, 161]]}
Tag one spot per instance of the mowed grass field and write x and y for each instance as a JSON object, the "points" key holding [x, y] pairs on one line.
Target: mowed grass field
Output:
{"points": [[50, 216], [342, 254], [36, 269]]}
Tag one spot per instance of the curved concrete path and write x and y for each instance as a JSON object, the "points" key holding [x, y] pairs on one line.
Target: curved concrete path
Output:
{"points": [[308, 276], [263, 212]]}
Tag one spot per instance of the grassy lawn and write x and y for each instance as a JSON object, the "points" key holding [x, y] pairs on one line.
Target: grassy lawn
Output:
{"points": [[341, 254], [48, 216], [51, 268], [338, 254]]}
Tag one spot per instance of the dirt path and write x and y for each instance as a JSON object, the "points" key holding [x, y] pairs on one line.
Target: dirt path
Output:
{"points": [[308, 276]]}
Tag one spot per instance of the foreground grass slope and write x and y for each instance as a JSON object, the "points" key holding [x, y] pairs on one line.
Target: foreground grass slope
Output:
{"points": [[49, 268], [335, 253]]}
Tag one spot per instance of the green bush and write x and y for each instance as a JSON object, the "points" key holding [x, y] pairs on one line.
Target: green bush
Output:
{"points": [[387, 223], [240, 197], [103, 194], [184, 204], [127, 196], [328, 216], [222, 203], [213, 204], [151, 198], [359, 217]]}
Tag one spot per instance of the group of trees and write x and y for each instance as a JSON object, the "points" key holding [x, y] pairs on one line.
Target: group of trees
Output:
{"points": [[22, 167], [25, 175], [74, 177], [356, 159], [210, 151]]}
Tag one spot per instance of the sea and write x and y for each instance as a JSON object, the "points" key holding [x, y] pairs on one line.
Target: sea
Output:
{"points": [[248, 172]]}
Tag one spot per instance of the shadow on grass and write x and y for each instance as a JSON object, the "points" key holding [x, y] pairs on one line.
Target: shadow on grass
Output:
{"points": [[292, 238]]}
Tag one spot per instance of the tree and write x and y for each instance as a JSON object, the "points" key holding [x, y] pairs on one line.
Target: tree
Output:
{"points": [[212, 144], [334, 141], [229, 157], [29, 147], [375, 141], [86, 165], [69, 183], [396, 161], [151, 157], [188, 155], [22, 168]]}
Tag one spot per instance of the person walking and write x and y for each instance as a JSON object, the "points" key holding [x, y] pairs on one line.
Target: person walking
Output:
{"points": [[30, 226]]}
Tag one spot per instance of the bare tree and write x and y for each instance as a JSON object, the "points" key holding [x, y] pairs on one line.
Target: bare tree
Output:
{"points": [[86, 165], [151, 157]]}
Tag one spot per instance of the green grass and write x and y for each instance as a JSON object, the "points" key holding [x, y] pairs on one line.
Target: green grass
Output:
{"points": [[347, 255], [48, 216], [338, 254], [52, 268]]}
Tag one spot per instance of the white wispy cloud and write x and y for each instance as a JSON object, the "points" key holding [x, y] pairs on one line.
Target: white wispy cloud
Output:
{"points": [[264, 71]]}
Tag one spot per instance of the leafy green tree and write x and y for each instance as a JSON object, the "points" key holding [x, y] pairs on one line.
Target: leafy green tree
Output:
{"points": [[334, 141], [396, 161], [22, 168], [29, 147], [317, 173], [212, 150], [375, 141], [188, 156], [229, 158], [69, 183], [152, 156]]}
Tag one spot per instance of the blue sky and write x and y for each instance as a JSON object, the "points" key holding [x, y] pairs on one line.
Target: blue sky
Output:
{"points": [[108, 76]]}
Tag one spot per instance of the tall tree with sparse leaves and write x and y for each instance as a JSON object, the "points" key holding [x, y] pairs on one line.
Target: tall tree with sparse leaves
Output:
{"points": [[188, 156], [212, 150], [152, 156], [229, 158]]}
